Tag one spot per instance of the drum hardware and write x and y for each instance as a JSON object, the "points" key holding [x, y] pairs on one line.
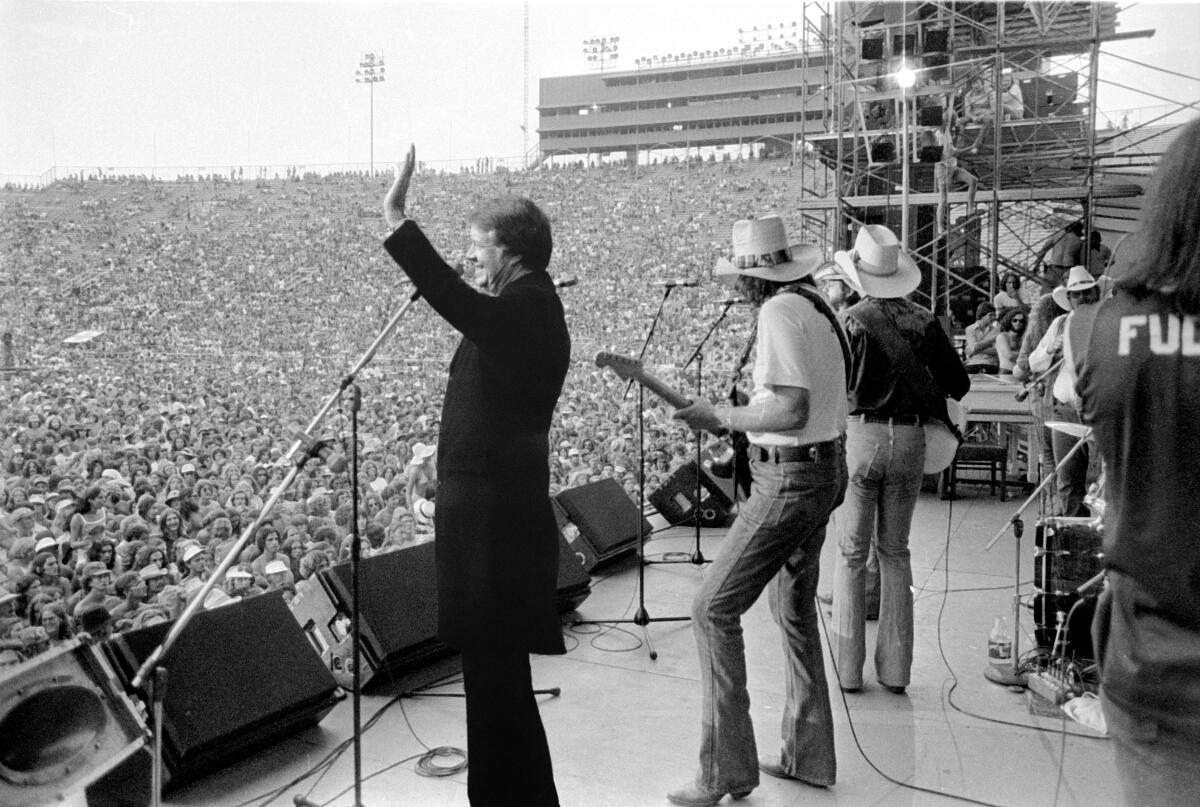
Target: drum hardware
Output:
{"points": [[1014, 676]]}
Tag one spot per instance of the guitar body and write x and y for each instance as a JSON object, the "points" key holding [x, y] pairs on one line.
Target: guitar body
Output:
{"points": [[734, 462]]}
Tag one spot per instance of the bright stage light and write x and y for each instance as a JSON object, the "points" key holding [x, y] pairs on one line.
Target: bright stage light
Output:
{"points": [[905, 77]]}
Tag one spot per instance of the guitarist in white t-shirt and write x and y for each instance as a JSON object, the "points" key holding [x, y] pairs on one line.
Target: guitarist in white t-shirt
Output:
{"points": [[794, 420]]}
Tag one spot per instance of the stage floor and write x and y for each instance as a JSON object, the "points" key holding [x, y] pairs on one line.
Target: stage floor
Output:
{"points": [[626, 728]]}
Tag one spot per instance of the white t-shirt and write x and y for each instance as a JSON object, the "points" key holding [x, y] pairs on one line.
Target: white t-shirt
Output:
{"points": [[797, 347]]}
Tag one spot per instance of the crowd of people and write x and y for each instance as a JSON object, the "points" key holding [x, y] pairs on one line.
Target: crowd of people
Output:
{"points": [[223, 312], [150, 448]]}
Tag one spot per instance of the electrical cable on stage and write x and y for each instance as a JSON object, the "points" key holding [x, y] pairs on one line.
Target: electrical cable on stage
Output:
{"points": [[1035, 652], [946, 590]]}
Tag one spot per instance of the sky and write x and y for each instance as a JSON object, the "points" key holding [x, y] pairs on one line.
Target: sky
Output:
{"points": [[214, 84]]}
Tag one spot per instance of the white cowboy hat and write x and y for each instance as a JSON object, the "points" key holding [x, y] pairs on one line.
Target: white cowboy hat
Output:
{"points": [[831, 271], [878, 265], [1078, 279], [761, 249]]}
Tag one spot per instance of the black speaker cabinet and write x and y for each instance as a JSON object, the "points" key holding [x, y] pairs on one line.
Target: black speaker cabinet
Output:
{"points": [[904, 45], [936, 66], [676, 499], [607, 520], [937, 40], [930, 116], [574, 582], [240, 677], [398, 612], [872, 49], [65, 727]]}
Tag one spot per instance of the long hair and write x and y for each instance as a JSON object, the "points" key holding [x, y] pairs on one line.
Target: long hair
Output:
{"points": [[1168, 263], [757, 290]]}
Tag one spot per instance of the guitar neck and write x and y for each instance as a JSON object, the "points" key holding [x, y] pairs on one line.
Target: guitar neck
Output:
{"points": [[663, 390], [631, 369]]}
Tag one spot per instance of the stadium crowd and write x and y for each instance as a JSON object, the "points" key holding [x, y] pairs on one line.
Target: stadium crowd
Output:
{"points": [[225, 312], [212, 316]]}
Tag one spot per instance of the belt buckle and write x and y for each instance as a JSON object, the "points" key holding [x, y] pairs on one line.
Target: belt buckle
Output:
{"points": [[813, 452]]}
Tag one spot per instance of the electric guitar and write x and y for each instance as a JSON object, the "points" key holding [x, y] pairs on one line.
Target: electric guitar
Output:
{"points": [[727, 462]]}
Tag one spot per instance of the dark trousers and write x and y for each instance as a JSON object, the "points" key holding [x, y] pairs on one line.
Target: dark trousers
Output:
{"points": [[508, 757]]}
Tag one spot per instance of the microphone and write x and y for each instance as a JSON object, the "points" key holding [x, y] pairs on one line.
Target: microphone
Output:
{"points": [[733, 301], [332, 458], [687, 284], [566, 282]]}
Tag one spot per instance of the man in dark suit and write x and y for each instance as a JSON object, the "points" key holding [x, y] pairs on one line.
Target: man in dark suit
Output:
{"points": [[497, 541]]}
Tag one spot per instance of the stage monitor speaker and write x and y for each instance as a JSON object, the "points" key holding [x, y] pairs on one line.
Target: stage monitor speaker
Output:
{"points": [[398, 613], [675, 500], [872, 49], [574, 582], [239, 677], [66, 729], [607, 519]]}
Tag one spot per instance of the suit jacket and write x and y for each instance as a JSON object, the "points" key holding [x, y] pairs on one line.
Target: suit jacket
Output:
{"points": [[496, 536]]}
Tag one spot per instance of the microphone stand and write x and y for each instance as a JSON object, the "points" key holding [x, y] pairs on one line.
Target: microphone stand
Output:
{"points": [[642, 617], [697, 356], [1013, 676], [153, 663]]}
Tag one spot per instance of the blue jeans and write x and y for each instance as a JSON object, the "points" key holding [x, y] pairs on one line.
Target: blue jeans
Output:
{"points": [[775, 544], [885, 465]]}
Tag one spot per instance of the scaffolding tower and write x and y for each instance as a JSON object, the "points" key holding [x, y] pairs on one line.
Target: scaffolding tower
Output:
{"points": [[927, 99]]}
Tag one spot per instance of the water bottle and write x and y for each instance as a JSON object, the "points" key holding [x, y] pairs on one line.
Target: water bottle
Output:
{"points": [[1000, 643]]}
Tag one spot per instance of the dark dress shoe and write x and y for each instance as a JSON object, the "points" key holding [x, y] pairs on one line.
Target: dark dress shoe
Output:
{"points": [[894, 690], [698, 796]]}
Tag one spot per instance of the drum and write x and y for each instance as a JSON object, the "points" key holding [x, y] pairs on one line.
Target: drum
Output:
{"points": [[1068, 554]]}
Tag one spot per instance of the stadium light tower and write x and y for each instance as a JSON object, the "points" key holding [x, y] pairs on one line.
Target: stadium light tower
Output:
{"points": [[370, 71], [602, 50]]}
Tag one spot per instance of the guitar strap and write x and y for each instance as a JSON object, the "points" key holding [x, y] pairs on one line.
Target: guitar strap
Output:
{"points": [[740, 443], [819, 302], [913, 372]]}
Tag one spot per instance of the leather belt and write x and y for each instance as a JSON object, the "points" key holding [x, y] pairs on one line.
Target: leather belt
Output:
{"points": [[809, 453], [893, 420]]}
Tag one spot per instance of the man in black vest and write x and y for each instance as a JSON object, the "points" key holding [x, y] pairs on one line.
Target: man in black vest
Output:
{"points": [[496, 535], [885, 450]]}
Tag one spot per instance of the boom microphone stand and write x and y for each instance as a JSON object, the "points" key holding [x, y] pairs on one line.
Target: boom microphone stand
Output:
{"points": [[698, 357], [311, 448], [642, 617]]}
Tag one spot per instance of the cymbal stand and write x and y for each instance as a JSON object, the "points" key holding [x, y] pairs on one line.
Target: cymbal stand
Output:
{"points": [[1013, 676]]}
